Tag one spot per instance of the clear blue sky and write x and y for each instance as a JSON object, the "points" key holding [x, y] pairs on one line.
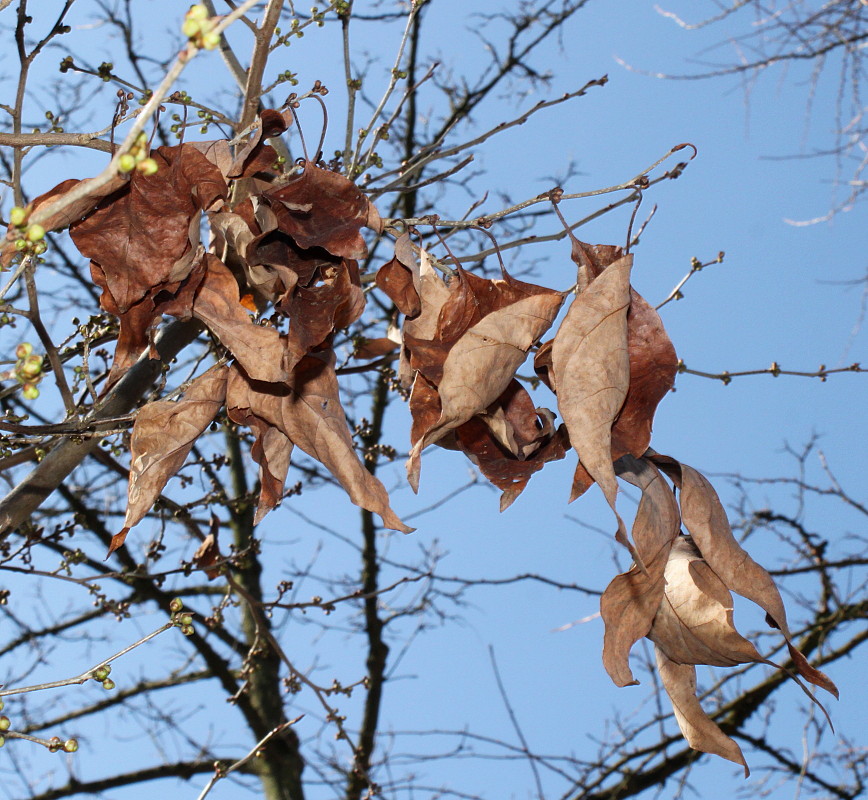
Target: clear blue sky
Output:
{"points": [[777, 297]]}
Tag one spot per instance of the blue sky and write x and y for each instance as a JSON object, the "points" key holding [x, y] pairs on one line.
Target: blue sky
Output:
{"points": [[778, 296]]}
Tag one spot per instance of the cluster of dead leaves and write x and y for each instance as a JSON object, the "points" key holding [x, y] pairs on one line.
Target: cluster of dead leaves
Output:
{"points": [[291, 242]]}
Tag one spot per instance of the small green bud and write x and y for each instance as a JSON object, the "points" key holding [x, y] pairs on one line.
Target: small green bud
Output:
{"points": [[2, 741], [198, 11], [22, 351], [188, 630], [20, 244], [5, 723], [17, 215], [101, 673], [39, 248], [147, 166], [210, 40], [70, 745], [30, 391], [108, 684], [55, 743], [35, 232], [126, 163], [176, 605], [185, 619]]}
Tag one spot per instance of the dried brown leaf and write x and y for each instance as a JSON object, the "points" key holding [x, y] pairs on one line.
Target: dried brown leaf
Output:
{"points": [[260, 350], [484, 332], [698, 729], [163, 434], [307, 409], [632, 599], [592, 373], [324, 209]]}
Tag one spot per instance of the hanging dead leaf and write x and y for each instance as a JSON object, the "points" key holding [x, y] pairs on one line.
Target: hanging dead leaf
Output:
{"points": [[632, 599], [307, 409], [591, 364], [163, 434]]}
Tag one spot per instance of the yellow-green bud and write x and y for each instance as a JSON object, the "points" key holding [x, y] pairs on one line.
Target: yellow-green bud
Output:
{"points": [[176, 605], [108, 684], [210, 40], [126, 163], [30, 391], [70, 745], [198, 11], [101, 673], [35, 232], [17, 215], [191, 27], [20, 244], [22, 351], [5, 723], [39, 248], [147, 166]]}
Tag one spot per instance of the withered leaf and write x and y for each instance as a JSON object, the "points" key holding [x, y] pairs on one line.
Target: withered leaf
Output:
{"points": [[591, 364], [511, 441], [145, 235], [698, 729], [632, 599], [163, 434], [259, 350], [307, 409], [484, 331], [324, 209], [694, 623], [706, 520], [397, 282], [272, 449], [208, 556]]}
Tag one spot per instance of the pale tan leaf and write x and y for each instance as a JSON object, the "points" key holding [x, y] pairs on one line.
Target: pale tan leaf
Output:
{"points": [[163, 434], [592, 373], [701, 732], [307, 409], [632, 599], [694, 624]]}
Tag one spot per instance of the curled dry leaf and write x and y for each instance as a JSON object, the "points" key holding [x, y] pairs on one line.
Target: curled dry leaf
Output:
{"points": [[208, 556], [324, 209], [591, 365], [308, 411], [632, 599], [260, 350], [701, 733], [706, 520], [163, 434], [483, 334], [683, 600]]}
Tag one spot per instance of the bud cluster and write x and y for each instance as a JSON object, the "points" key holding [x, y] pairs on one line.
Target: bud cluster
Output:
{"points": [[183, 619], [137, 158], [27, 370], [29, 238], [198, 27]]}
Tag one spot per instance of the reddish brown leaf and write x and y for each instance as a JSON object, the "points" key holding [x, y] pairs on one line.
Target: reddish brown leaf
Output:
{"points": [[375, 348], [260, 350], [396, 281], [307, 409], [64, 217], [320, 208], [653, 365], [257, 156], [163, 434]]}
